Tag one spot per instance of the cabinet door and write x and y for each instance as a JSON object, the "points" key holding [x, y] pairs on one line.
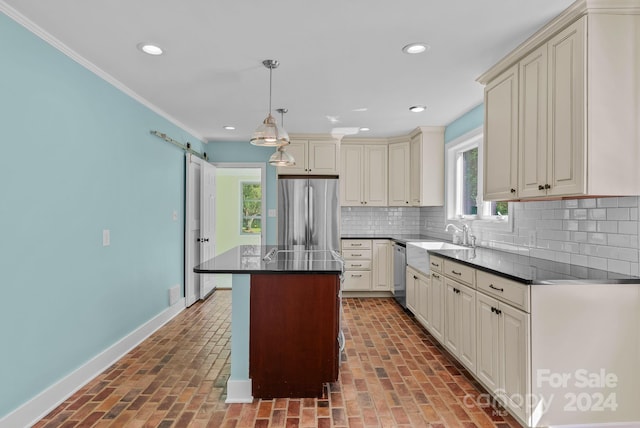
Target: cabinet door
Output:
{"points": [[467, 311], [381, 265], [488, 342], [375, 175], [357, 280], [516, 366], [415, 170], [436, 307], [399, 170], [532, 149], [567, 70], [501, 137], [412, 278], [323, 157], [351, 162], [452, 317], [421, 300], [425, 297], [299, 150]]}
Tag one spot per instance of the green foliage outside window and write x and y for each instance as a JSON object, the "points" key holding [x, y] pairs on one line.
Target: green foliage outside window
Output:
{"points": [[251, 208]]}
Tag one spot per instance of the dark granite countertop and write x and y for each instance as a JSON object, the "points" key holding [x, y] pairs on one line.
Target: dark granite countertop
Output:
{"points": [[531, 270], [400, 238], [249, 259]]}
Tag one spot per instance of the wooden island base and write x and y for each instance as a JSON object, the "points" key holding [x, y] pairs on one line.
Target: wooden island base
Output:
{"points": [[294, 327]]}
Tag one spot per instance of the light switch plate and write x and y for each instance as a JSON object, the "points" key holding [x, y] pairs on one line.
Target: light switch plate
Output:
{"points": [[106, 238]]}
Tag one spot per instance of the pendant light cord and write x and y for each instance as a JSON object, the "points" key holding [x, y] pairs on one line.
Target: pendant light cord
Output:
{"points": [[270, 84]]}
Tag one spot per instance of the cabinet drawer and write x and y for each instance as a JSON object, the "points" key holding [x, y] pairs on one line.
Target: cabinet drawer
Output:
{"points": [[512, 292], [459, 272], [356, 254], [356, 244], [435, 263], [357, 280], [357, 265]]}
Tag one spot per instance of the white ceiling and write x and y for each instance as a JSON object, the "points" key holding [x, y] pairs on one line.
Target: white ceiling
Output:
{"points": [[337, 57]]}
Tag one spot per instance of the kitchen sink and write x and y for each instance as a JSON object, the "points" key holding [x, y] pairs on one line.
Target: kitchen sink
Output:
{"points": [[418, 253]]}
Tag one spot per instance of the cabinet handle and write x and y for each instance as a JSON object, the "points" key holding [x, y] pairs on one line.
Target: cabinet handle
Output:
{"points": [[356, 245], [435, 275], [415, 277], [456, 273], [496, 310], [513, 190], [365, 202], [546, 186], [435, 264], [455, 290], [355, 276], [540, 187], [496, 288], [356, 255], [356, 265]]}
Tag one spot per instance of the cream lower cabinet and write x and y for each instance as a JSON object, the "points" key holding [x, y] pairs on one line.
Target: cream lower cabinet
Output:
{"points": [[418, 288], [367, 264], [410, 288], [503, 364], [381, 267], [460, 322]]}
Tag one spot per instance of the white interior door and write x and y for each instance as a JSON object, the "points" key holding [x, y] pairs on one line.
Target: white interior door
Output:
{"points": [[192, 229], [207, 223]]}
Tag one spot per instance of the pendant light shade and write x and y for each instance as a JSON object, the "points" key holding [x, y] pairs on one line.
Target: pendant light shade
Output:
{"points": [[281, 157], [269, 133]]}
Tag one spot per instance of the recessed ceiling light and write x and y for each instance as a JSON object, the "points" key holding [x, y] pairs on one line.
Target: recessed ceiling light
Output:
{"points": [[415, 48], [365, 129], [150, 49], [417, 109], [360, 109], [229, 127]]}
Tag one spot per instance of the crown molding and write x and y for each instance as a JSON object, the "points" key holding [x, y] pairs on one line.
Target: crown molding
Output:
{"points": [[577, 10], [57, 44]]}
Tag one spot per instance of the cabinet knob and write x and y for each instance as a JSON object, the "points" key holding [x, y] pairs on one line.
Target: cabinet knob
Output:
{"points": [[546, 186], [406, 202], [513, 190], [540, 187]]}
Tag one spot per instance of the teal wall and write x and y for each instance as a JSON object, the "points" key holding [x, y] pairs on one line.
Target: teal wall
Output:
{"points": [[465, 123], [76, 157], [245, 152]]}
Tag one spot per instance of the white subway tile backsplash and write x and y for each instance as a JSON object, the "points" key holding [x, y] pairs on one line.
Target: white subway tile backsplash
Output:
{"points": [[598, 233]]}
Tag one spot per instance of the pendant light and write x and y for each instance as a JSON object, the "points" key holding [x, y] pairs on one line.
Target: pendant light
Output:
{"points": [[281, 157], [269, 133]]}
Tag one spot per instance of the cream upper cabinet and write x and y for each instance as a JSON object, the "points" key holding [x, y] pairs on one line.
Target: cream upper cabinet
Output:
{"points": [[426, 167], [501, 136], [532, 142], [399, 174], [567, 100], [363, 175], [313, 157]]}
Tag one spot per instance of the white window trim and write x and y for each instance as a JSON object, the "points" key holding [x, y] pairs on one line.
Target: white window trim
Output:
{"points": [[464, 142]]}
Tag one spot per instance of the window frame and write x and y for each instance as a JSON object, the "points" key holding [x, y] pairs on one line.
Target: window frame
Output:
{"points": [[242, 200], [453, 183]]}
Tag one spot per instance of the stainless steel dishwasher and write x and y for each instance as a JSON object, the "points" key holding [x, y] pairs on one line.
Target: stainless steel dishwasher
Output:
{"points": [[400, 273]]}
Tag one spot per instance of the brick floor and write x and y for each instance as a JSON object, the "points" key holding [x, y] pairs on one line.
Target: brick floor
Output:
{"points": [[393, 374]]}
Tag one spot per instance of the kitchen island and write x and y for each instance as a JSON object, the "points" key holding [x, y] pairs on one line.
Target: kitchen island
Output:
{"points": [[285, 320]]}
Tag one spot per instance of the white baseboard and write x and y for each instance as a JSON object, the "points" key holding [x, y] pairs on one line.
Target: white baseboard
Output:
{"points": [[40, 405], [239, 391]]}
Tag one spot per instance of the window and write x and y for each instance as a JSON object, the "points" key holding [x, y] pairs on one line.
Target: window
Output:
{"points": [[464, 181], [251, 208]]}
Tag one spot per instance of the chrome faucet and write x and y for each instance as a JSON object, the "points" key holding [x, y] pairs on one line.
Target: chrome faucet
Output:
{"points": [[468, 239]]}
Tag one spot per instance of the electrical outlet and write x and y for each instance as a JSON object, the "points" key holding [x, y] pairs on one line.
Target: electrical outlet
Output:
{"points": [[174, 294], [106, 238]]}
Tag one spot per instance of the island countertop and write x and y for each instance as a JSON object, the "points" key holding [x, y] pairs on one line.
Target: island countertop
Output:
{"points": [[247, 259]]}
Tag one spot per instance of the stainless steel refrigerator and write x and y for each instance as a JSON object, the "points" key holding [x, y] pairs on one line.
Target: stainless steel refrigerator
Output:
{"points": [[309, 213]]}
